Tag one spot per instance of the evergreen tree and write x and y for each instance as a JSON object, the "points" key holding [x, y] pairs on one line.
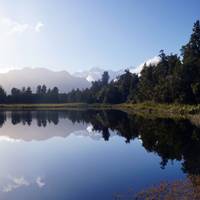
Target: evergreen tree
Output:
{"points": [[2, 95], [105, 78]]}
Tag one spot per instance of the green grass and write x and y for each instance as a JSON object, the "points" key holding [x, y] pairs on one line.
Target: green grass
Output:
{"points": [[181, 109], [51, 106], [147, 108]]}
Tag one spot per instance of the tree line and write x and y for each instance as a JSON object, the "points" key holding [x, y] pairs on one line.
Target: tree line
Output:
{"points": [[25, 95], [175, 79]]}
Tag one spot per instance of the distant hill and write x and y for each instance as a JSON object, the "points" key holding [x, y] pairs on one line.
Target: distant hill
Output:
{"points": [[38, 76]]}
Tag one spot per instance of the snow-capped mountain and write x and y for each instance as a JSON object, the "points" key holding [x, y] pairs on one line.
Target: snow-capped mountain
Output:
{"points": [[153, 61], [95, 74], [62, 79]]}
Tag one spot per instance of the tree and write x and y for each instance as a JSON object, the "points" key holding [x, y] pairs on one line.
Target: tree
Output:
{"points": [[112, 95], [15, 92], [54, 94], [146, 84], [124, 83], [191, 63], [105, 78], [2, 95], [28, 91], [39, 90], [191, 51], [43, 89]]}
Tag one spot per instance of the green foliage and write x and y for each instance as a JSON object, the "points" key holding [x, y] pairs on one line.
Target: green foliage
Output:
{"points": [[105, 78], [2, 95]]}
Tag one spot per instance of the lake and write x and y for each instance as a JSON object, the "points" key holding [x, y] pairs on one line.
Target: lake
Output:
{"points": [[93, 154]]}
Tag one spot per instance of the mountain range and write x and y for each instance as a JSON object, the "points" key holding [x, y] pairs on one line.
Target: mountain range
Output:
{"points": [[38, 76], [62, 79], [95, 74]]}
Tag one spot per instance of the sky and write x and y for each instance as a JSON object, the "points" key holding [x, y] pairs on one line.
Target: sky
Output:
{"points": [[76, 35]]}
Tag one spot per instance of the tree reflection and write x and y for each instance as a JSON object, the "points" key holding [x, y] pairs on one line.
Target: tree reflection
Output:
{"points": [[169, 138], [2, 118]]}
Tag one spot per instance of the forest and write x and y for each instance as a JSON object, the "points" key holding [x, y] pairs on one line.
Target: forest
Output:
{"points": [[175, 79]]}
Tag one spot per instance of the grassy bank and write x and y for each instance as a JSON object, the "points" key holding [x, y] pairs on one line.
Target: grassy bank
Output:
{"points": [[63, 106], [153, 110], [170, 109], [148, 108]]}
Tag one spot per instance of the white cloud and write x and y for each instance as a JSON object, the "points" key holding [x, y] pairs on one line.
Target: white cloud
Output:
{"points": [[20, 181], [153, 61], [11, 26], [90, 78], [38, 26], [16, 183], [40, 182]]}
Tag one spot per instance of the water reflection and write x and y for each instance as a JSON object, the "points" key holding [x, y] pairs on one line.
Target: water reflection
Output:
{"points": [[144, 140], [170, 139]]}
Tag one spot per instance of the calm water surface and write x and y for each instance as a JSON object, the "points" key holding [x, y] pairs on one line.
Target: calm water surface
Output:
{"points": [[91, 155]]}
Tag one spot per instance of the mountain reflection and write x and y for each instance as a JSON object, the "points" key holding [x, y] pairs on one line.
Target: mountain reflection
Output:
{"points": [[170, 139]]}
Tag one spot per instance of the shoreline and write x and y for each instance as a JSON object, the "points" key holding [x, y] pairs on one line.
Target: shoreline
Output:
{"points": [[145, 108], [50, 106]]}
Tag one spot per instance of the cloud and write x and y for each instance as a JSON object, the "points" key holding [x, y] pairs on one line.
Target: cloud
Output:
{"points": [[16, 183], [11, 26], [153, 61], [90, 78], [38, 26], [40, 182]]}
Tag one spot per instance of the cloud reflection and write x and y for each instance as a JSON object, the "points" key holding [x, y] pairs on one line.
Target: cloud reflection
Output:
{"points": [[8, 139]]}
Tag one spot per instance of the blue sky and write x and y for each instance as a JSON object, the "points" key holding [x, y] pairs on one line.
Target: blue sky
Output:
{"points": [[76, 35]]}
